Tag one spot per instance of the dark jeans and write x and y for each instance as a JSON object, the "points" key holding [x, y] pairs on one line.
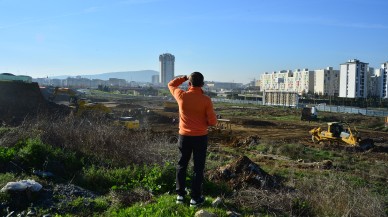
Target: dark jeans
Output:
{"points": [[198, 146]]}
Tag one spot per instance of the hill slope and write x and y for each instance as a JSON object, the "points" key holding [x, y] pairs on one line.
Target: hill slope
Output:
{"points": [[139, 76]]}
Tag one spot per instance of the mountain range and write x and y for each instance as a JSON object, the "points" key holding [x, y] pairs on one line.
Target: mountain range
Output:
{"points": [[138, 76]]}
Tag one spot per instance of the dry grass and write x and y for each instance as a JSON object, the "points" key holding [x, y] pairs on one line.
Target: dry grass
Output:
{"points": [[318, 196], [96, 136], [274, 203], [334, 196]]}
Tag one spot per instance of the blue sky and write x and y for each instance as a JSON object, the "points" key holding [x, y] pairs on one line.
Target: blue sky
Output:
{"points": [[226, 40]]}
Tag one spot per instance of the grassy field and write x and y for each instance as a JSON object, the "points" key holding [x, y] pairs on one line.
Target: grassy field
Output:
{"points": [[132, 173]]}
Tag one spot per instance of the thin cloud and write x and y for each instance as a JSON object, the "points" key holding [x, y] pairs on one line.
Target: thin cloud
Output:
{"points": [[138, 1], [92, 9], [85, 11], [317, 21], [360, 25]]}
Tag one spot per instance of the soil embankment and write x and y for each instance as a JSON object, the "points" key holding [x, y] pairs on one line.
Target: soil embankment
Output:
{"points": [[19, 100]]}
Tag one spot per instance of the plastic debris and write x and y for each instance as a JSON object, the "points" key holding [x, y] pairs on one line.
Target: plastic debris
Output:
{"points": [[22, 186]]}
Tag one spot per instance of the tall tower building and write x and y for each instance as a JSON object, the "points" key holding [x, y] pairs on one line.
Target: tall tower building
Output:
{"points": [[353, 79], [167, 62]]}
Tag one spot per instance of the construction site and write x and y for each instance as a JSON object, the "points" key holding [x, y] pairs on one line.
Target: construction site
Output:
{"points": [[288, 143]]}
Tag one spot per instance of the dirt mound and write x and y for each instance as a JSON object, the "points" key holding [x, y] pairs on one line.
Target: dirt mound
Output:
{"points": [[242, 173], [19, 100]]}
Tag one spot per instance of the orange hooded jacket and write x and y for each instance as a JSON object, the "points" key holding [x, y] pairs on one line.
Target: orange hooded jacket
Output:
{"points": [[196, 111]]}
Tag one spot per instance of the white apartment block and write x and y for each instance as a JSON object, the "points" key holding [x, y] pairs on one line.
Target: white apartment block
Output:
{"points": [[374, 82], [303, 81], [326, 82], [384, 80], [167, 62], [276, 80], [353, 79], [299, 81]]}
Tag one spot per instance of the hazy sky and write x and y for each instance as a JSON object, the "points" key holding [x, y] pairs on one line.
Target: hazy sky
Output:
{"points": [[226, 40]]}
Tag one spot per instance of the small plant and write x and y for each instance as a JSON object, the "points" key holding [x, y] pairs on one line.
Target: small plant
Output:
{"points": [[6, 155], [301, 207], [88, 206], [294, 151], [4, 130]]}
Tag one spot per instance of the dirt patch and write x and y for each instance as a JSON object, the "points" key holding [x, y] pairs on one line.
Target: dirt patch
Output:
{"points": [[243, 173], [245, 142], [162, 118], [258, 123]]}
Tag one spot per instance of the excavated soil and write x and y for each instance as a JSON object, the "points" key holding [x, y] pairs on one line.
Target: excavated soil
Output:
{"points": [[242, 173]]}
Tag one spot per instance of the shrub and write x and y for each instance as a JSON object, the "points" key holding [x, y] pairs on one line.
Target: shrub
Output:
{"points": [[34, 154]]}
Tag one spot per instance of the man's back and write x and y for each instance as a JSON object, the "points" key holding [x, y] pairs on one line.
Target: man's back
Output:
{"points": [[195, 109]]}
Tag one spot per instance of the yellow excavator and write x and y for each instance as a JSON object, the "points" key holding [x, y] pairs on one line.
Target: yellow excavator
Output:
{"points": [[337, 133], [80, 105], [73, 100], [128, 122]]}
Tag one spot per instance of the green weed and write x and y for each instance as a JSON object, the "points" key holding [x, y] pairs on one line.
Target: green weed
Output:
{"points": [[4, 179], [88, 207], [155, 178], [4, 130], [6, 155], [164, 206]]}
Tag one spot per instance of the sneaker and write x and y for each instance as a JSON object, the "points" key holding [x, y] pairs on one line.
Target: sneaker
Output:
{"points": [[197, 202], [179, 199]]}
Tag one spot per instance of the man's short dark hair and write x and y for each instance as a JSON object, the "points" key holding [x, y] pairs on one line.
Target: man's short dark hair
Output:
{"points": [[196, 79]]}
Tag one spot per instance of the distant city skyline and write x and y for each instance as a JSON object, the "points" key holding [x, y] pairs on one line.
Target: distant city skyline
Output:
{"points": [[228, 40]]}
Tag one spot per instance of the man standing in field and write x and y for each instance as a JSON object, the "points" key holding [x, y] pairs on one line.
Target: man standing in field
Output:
{"points": [[196, 113]]}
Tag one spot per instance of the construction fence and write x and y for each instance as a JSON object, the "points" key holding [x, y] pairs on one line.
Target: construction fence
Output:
{"points": [[353, 110]]}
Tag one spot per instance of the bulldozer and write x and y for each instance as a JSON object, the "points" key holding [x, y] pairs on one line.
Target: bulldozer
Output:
{"points": [[337, 133]]}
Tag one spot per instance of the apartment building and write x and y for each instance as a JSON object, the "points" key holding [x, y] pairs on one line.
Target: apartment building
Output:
{"points": [[117, 82], [155, 79], [384, 80], [326, 82], [353, 79]]}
